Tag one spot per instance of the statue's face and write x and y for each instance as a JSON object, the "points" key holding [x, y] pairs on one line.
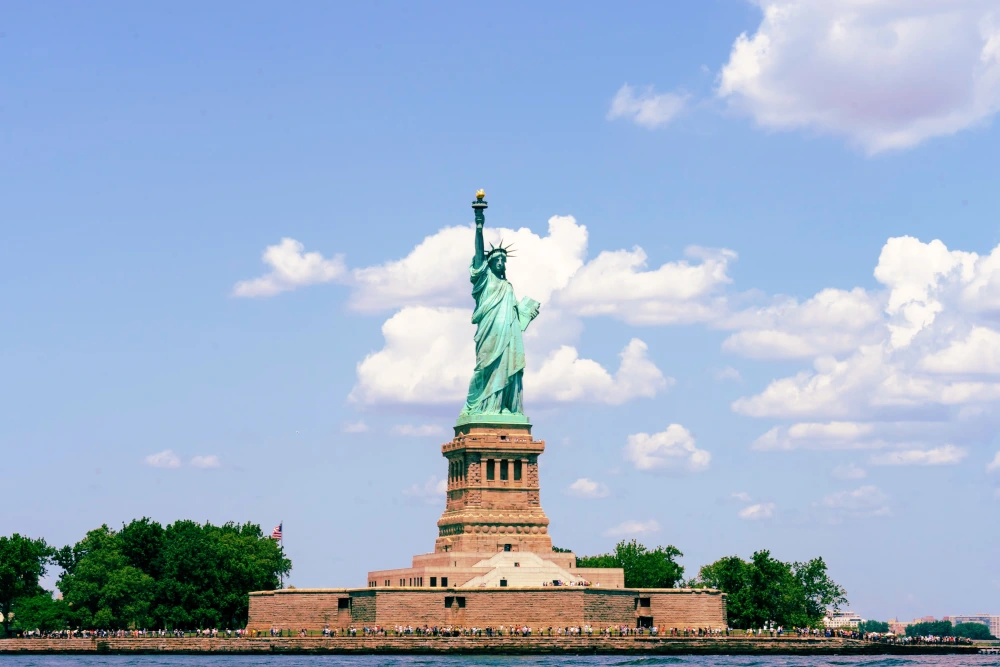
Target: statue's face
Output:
{"points": [[498, 265]]}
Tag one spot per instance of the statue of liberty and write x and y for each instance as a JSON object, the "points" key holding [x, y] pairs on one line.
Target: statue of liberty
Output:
{"points": [[495, 388]]}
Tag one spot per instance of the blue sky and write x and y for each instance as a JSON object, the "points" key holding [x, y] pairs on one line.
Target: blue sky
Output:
{"points": [[740, 267]]}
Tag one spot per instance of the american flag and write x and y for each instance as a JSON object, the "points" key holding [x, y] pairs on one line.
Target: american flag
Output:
{"points": [[276, 533]]}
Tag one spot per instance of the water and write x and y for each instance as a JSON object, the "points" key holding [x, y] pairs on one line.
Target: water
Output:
{"points": [[494, 661]]}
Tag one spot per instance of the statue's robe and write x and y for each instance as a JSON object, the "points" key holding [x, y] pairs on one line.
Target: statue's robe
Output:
{"points": [[495, 387]]}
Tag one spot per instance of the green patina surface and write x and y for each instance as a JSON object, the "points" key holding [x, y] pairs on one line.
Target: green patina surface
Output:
{"points": [[495, 390]]}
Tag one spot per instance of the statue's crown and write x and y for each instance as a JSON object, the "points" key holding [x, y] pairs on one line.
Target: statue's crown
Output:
{"points": [[507, 251]]}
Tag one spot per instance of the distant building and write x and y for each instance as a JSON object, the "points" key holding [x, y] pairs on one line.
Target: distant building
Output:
{"points": [[990, 621], [841, 619]]}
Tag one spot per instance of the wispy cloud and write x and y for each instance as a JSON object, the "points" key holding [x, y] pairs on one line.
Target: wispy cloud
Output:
{"points": [[420, 431], [646, 107], [210, 461], [939, 456], [849, 471], [431, 492], [758, 511], [630, 528], [355, 427], [164, 459], [588, 488]]}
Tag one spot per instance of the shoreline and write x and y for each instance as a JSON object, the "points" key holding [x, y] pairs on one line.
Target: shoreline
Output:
{"points": [[416, 645]]}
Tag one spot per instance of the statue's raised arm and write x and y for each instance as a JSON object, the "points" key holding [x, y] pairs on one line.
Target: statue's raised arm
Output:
{"points": [[479, 206]]}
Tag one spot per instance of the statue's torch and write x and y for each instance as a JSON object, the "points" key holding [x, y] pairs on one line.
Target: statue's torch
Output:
{"points": [[479, 206]]}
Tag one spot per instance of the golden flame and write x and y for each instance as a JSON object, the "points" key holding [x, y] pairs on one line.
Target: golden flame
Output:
{"points": [[480, 194]]}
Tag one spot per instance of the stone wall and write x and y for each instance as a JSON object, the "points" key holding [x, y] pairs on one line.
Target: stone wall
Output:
{"points": [[468, 607]]}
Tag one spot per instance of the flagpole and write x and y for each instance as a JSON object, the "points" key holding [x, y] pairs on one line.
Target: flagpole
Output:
{"points": [[281, 541]]}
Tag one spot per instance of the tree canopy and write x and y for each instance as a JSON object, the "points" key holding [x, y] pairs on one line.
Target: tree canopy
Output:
{"points": [[184, 575], [643, 568], [23, 562], [946, 629], [764, 589], [873, 626]]}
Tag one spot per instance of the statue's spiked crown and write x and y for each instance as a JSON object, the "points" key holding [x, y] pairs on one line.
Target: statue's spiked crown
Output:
{"points": [[506, 251]]}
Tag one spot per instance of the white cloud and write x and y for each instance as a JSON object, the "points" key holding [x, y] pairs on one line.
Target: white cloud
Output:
{"points": [[431, 492], [420, 431], [758, 511], [673, 448], [631, 528], [931, 377], [978, 353], [291, 268], [209, 461], [564, 377], [617, 284], [883, 73], [429, 355], [427, 358], [355, 427], [728, 373], [742, 496], [588, 488], [849, 471], [864, 501], [164, 459], [436, 271], [808, 435], [945, 455], [994, 464], [832, 321], [647, 107]]}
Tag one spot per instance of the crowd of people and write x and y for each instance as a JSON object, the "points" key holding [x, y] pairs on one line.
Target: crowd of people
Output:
{"points": [[512, 630]]}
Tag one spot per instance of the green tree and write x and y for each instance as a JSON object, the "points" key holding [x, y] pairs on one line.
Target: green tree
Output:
{"points": [[873, 626], [972, 631], [41, 612], [184, 575], [101, 587], [643, 568], [23, 562], [935, 628], [765, 589]]}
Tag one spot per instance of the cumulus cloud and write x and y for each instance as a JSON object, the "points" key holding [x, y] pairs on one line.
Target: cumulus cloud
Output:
{"points": [[421, 431], [884, 74], [355, 427], [849, 471], [864, 501], [564, 377], [164, 459], [429, 355], [742, 496], [671, 449], [929, 376], [994, 464], [646, 107], [632, 528], [832, 321], [431, 492], [291, 268], [618, 284], [807, 435], [945, 455], [588, 488], [758, 511], [205, 462], [436, 271]]}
